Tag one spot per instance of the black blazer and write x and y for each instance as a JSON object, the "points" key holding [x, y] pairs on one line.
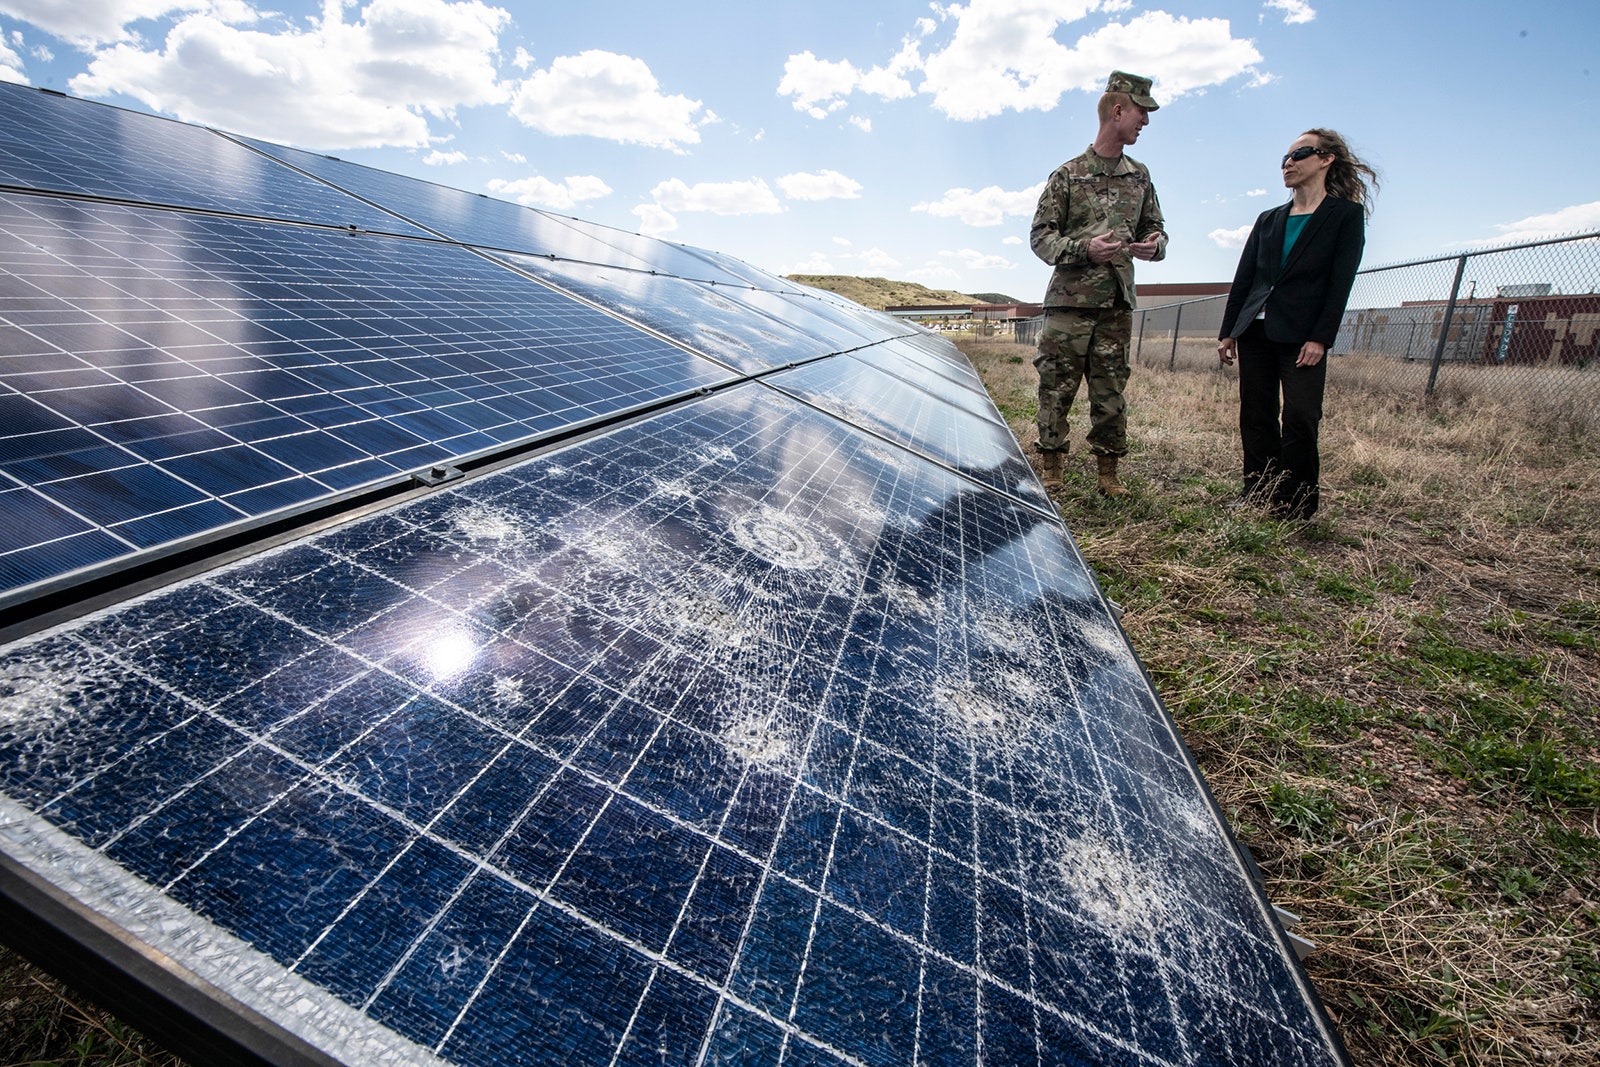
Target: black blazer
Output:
{"points": [[1305, 297]]}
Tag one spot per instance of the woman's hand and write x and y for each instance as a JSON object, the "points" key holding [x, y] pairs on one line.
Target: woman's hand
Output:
{"points": [[1225, 350], [1311, 354]]}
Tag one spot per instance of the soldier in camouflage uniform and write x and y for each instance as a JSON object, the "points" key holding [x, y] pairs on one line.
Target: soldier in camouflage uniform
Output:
{"points": [[1098, 213]]}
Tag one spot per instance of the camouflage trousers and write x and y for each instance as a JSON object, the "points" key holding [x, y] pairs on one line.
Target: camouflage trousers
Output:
{"points": [[1079, 343]]}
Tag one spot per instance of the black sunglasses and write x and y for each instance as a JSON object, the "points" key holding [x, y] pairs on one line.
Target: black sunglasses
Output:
{"points": [[1303, 152]]}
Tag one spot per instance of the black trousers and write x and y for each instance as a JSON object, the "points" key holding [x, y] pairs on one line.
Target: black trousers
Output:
{"points": [[1281, 465]]}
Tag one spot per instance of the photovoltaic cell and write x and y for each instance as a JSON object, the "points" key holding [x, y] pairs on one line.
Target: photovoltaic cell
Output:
{"points": [[55, 143], [734, 733], [165, 374]]}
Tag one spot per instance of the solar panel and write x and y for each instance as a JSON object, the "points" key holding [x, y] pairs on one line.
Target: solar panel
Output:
{"points": [[745, 701], [484, 221], [52, 142], [167, 374], [978, 445], [715, 320]]}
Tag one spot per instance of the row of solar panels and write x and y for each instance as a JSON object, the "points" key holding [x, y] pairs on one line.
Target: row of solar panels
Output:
{"points": [[249, 333], [746, 701]]}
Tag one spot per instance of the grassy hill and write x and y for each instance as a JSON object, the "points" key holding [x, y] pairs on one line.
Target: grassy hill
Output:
{"points": [[879, 293]]}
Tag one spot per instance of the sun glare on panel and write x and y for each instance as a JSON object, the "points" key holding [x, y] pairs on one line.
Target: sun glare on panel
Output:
{"points": [[448, 654]]}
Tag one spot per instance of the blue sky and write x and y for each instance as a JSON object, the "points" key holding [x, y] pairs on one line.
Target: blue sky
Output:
{"points": [[903, 139]]}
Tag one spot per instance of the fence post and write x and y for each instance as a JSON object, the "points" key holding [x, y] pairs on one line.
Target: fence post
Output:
{"points": [[1138, 347], [1444, 328], [1177, 320]]}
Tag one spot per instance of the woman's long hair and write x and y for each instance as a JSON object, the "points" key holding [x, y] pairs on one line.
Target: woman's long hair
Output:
{"points": [[1345, 175]]}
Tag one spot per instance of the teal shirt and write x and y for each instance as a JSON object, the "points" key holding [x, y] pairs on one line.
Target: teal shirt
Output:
{"points": [[1291, 233]]}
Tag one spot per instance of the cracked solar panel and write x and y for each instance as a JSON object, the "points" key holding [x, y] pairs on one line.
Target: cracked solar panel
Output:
{"points": [[732, 735], [165, 374]]}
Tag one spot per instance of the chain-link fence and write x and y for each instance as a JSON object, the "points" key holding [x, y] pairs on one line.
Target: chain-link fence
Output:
{"points": [[1516, 325]]}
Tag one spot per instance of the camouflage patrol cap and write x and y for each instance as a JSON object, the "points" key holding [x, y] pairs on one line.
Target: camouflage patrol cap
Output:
{"points": [[1134, 86]]}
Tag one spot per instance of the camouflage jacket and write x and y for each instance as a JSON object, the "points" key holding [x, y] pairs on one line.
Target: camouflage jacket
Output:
{"points": [[1084, 198]]}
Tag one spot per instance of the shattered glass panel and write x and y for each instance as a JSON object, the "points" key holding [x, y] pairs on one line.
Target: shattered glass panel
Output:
{"points": [[732, 735]]}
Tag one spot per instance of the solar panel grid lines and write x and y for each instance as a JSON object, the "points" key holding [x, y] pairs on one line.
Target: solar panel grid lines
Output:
{"points": [[973, 444], [245, 395], [61, 144], [500, 226]]}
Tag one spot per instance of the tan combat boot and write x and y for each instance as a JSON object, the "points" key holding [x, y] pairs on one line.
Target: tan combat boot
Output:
{"points": [[1050, 462], [1109, 486]]}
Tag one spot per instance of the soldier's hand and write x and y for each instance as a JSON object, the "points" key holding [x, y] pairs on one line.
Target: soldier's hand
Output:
{"points": [[1104, 248], [1145, 249]]}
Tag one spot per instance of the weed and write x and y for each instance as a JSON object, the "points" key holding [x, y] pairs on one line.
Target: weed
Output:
{"points": [[1308, 812]]}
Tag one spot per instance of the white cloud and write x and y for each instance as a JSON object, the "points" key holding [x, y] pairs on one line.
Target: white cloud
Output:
{"points": [[539, 191], [972, 259], [1579, 218], [813, 81], [93, 22], [815, 263], [513, 157], [1230, 238], [843, 242], [753, 197], [1012, 240], [1294, 11], [653, 220], [1003, 54], [824, 185], [876, 259], [603, 94], [337, 85], [933, 274], [11, 65], [444, 159], [988, 206], [862, 123], [820, 86], [1255, 192]]}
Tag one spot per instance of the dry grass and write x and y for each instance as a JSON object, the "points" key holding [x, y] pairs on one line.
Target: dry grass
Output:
{"points": [[42, 1024], [1397, 704]]}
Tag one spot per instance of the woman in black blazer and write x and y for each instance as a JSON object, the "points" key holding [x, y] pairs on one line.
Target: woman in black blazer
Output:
{"points": [[1283, 314]]}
